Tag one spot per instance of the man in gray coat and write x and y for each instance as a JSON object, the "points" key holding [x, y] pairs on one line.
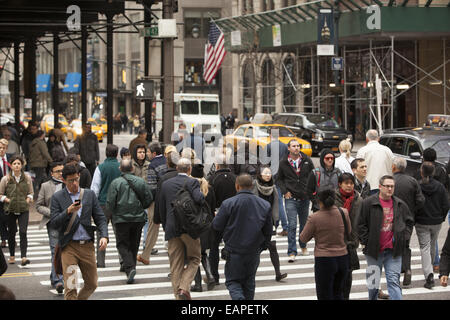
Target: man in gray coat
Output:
{"points": [[43, 207], [87, 144]]}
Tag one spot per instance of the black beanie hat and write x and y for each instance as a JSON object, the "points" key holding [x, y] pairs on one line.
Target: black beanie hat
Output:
{"points": [[197, 171]]}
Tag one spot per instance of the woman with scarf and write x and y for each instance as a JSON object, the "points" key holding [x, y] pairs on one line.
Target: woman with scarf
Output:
{"points": [[265, 188], [347, 197]]}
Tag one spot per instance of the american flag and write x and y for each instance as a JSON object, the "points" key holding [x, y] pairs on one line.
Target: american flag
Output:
{"points": [[214, 52]]}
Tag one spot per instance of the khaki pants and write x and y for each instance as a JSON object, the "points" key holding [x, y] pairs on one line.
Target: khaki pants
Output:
{"points": [[183, 250], [152, 233], [82, 255]]}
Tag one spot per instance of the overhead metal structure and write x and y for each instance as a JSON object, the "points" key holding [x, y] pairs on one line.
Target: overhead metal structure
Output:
{"points": [[26, 24]]}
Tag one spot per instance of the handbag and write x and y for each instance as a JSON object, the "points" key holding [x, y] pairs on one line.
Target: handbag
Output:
{"points": [[57, 263], [352, 254]]}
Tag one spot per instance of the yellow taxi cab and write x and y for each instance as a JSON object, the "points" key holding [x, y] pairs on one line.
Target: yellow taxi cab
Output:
{"points": [[47, 123], [96, 129], [75, 129], [258, 136], [102, 122]]}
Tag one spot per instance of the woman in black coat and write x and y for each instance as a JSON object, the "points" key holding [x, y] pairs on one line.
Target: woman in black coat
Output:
{"points": [[265, 188], [207, 237]]}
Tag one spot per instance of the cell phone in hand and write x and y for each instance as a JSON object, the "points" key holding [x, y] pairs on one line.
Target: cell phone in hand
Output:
{"points": [[77, 202]]}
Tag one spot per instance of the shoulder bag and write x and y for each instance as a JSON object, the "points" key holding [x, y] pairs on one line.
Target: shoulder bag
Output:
{"points": [[57, 263], [352, 253]]}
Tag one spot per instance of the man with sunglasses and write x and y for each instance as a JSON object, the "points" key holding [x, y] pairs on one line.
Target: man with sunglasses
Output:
{"points": [[384, 228]]}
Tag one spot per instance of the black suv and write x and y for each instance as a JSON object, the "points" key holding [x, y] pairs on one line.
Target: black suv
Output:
{"points": [[320, 129], [410, 143]]}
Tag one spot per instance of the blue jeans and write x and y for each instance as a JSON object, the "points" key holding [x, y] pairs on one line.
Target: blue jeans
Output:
{"points": [[392, 266], [281, 211], [296, 208], [53, 240], [145, 229], [240, 272], [437, 260]]}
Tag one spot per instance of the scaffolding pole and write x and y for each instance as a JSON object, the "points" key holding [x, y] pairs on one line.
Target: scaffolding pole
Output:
{"points": [[392, 82], [445, 77]]}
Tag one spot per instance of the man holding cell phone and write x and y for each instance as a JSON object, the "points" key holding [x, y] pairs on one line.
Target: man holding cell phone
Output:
{"points": [[76, 233]]}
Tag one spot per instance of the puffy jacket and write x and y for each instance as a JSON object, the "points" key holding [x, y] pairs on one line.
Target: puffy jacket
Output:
{"points": [[370, 222], [436, 204], [124, 203], [39, 156]]}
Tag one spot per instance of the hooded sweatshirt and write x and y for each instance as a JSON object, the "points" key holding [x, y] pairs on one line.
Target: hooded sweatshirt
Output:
{"points": [[140, 168], [328, 178], [436, 204]]}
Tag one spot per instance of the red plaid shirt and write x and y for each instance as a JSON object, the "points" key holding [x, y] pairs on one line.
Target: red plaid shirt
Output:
{"points": [[292, 162]]}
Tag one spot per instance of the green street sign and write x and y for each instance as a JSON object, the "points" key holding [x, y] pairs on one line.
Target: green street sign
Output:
{"points": [[150, 32]]}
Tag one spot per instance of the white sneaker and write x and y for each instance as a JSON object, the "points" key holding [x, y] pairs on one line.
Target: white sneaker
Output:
{"points": [[291, 258], [305, 252]]}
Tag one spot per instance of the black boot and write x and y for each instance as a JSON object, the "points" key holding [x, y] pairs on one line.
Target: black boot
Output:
{"points": [[429, 282], [197, 287], [275, 258], [210, 281]]}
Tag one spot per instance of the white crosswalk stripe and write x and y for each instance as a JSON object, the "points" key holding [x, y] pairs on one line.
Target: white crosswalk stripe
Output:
{"points": [[152, 282]]}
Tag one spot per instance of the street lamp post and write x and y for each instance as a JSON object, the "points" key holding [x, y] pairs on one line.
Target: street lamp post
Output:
{"points": [[336, 16]]}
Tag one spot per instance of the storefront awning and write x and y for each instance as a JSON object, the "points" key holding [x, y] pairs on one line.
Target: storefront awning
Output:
{"points": [[43, 82], [358, 20], [73, 82]]}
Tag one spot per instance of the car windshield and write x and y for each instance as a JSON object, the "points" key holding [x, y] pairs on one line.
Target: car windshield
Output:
{"points": [[189, 107], [76, 124], [442, 148], [101, 121], [282, 132], [321, 120], [210, 107]]}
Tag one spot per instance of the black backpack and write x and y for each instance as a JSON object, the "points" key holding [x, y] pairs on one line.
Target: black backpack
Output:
{"points": [[190, 217]]}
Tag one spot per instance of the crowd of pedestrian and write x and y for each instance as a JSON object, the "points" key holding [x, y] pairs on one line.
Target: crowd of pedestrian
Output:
{"points": [[344, 204]]}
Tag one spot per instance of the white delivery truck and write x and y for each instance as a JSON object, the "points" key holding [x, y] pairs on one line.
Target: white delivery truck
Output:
{"points": [[194, 110]]}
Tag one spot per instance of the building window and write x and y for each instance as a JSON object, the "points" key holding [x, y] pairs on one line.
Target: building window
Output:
{"points": [[289, 76], [248, 89], [196, 23], [193, 74], [268, 87]]}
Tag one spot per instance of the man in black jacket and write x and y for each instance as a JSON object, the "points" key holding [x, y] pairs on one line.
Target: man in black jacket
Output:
{"points": [[184, 252], [293, 175], [223, 182], [87, 144], [246, 223], [359, 168], [407, 188], [384, 227], [77, 241]]}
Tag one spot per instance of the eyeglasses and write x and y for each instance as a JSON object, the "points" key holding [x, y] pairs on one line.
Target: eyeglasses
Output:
{"points": [[329, 158], [73, 180], [388, 186], [57, 171]]}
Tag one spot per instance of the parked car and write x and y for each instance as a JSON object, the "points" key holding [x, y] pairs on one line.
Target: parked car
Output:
{"points": [[47, 123], [322, 130], [410, 143], [258, 135]]}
